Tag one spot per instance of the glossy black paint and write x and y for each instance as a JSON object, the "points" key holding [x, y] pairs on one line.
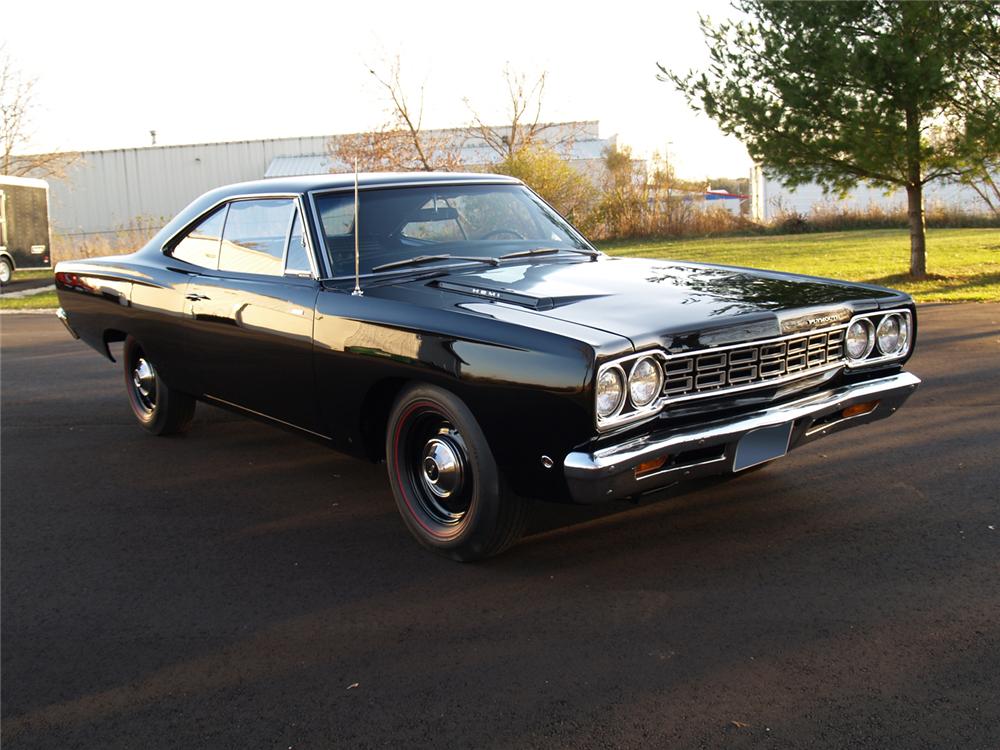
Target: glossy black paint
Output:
{"points": [[519, 343]]}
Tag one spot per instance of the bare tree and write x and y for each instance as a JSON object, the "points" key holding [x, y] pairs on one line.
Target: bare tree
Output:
{"points": [[982, 178], [16, 105], [524, 127], [401, 144]]}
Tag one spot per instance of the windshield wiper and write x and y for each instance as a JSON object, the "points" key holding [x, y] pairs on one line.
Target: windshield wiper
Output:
{"points": [[550, 251], [420, 259]]}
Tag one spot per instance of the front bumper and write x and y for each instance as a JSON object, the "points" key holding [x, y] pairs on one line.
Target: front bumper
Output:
{"points": [[709, 449]]}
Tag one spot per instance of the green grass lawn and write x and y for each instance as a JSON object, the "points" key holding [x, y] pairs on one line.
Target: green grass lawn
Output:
{"points": [[38, 273], [34, 301], [45, 300], [964, 264]]}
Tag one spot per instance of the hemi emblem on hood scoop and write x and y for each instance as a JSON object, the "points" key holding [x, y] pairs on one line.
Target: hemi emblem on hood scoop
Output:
{"points": [[485, 292], [498, 295], [815, 319]]}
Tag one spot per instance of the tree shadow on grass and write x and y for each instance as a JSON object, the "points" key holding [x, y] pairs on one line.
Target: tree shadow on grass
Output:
{"points": [[940, 283]]}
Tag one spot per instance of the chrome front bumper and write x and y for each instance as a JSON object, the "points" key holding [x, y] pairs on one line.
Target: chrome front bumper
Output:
{"points": [[708, 449]]}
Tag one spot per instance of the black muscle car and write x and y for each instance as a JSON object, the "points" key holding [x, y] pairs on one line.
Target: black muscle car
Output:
{"points": [[457, 328]]}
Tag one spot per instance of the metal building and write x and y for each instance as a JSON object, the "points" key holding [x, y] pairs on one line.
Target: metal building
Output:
{"points": [[769, 199], [106, 192]]}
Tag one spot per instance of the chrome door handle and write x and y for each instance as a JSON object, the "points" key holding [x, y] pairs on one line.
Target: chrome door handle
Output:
{"points": [[197, 297]]}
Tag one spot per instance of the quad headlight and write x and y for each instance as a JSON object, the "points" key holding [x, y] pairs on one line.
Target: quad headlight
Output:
{"points": [[877, 337], [645, 381], [610, 391], [860, 339], [892, 334]]}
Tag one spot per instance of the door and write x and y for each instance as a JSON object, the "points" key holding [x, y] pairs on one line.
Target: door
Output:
{"points": [[251, 320]]}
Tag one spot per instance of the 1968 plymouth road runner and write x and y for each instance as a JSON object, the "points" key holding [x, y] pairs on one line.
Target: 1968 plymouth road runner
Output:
{"points": [[456, 327]]}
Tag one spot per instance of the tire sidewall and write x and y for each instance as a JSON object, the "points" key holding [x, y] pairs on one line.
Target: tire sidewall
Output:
{"points": [[6, 264], [152, 421], [472, 536]]}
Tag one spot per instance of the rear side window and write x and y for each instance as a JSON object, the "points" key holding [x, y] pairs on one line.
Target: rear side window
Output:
{"points": [[254, 238], [200, 246]]}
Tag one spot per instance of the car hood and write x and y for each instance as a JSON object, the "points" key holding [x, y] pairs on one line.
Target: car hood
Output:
{"points": [[666, 303]]}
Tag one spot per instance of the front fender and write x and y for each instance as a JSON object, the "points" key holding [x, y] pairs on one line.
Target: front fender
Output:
{"points": [[530, 389]]}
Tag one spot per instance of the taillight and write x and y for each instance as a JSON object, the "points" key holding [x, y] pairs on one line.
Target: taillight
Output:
{"points": [[71, 280]]}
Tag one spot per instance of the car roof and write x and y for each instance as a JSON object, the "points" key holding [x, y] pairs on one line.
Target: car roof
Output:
{"points": [[308, 183]]}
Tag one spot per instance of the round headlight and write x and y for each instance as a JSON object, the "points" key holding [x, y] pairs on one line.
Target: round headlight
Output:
{"points": [[860, 339], [891, 334], [644, 381], [610, 391]]}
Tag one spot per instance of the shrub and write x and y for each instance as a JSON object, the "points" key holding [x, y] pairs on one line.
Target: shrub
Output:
{"points": [[555, 179], [829, 217], [124, 239]]}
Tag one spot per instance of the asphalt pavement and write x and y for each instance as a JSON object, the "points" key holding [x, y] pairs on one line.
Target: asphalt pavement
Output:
{"points": [[240, 587]]}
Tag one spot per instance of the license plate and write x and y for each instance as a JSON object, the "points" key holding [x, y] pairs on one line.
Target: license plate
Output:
{"points": [[762, 445]]}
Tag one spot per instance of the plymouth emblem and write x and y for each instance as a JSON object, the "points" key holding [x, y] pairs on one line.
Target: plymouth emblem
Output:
{"points": [[819, 319]]}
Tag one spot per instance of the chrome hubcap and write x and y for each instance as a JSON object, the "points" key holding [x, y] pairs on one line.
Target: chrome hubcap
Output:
{"points": [[144, 380], [441, 468], [4, 273], [438, 470]]}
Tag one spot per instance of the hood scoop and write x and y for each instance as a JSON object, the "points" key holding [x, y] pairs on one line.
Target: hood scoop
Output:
{"points": [[490, 292], [487, 291]]}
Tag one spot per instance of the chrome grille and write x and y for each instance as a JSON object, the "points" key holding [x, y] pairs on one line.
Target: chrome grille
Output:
{"points": [[752, 364]]}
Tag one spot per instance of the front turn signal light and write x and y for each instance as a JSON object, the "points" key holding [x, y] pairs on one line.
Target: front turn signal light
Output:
{"points": [[647, 467], [856, 410]]}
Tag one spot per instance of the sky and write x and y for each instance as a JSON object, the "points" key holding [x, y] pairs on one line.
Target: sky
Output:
{"points": [[109, 72]]}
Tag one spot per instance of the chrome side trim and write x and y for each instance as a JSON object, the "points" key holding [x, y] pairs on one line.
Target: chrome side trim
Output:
{"points": [[317, 229], [609, 472], [268, 417]]}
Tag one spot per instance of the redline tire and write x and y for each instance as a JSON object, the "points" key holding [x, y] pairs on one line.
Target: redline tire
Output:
{"points": [[445, 480], [159, 409]]}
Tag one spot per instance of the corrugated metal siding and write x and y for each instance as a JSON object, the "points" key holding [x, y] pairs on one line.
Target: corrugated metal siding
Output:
{"points": [[107, 191], [295, 166], [770, 199]]}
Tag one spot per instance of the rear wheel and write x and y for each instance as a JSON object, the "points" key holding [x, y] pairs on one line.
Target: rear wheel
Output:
{"points": [[6, 271], [445, 480], [159, 409]]}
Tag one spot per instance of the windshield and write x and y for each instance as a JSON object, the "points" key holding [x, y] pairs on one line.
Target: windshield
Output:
{"points": [[472, 220]]}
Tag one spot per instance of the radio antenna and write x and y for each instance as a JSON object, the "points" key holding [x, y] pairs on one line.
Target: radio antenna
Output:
{"points": [[357, 250]]}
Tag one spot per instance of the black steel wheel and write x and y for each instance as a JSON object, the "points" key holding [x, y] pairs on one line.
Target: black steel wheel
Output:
{"points": [[444, 477], [160, 409]]}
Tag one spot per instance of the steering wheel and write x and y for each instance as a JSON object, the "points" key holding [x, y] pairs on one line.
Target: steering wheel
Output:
{"points": [[494, 234]]}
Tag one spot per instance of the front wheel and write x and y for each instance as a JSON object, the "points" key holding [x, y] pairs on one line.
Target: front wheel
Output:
{"points": [[6, 271], [158, 408], [445, 480]]}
